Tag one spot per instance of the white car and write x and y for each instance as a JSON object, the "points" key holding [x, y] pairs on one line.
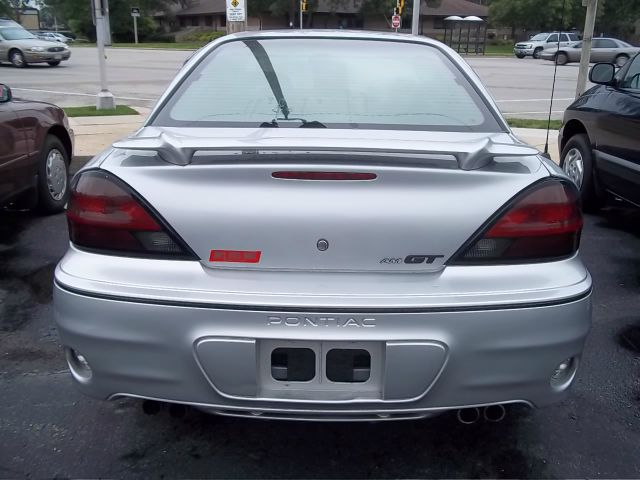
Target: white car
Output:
{"points": [[536, 44], [54, 37]]}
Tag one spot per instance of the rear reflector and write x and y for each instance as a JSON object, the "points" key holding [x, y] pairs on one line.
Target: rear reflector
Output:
{"points": [[105, 215], [542, 224], [304, 175], [235, 256]]}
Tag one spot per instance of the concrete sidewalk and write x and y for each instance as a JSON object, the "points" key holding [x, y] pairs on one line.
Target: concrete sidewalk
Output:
{"points": [[94, 134]]}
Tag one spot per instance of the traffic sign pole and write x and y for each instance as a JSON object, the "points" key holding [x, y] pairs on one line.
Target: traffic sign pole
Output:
{"points": [[135, 29]]}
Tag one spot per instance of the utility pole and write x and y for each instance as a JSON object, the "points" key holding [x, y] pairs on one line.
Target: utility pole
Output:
{"points": [[415, 20], [300, 14], [587, 38], [105, 99]]}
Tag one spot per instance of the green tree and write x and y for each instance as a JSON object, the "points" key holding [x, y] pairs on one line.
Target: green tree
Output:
{"points": [[78, 16]]}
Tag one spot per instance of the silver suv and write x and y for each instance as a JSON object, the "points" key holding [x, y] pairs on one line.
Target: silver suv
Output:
{"points": [[536, 44]]}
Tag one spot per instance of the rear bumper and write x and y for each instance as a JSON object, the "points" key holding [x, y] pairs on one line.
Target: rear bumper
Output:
{"points": [[427, 361]]}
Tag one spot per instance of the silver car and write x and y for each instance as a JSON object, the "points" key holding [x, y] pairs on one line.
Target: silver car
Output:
{"points": [[608, 50], [21, 48], [324, 225]]}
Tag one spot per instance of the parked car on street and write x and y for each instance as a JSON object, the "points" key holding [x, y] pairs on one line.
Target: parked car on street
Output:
{"points": [[602, 50], [536, 44], [600, 137], [22, 48], [37, 147], [54, 37], [310, 247]]}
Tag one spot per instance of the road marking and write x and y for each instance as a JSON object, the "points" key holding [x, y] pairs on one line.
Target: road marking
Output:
{"points": [[81, 94], [534, 100]]}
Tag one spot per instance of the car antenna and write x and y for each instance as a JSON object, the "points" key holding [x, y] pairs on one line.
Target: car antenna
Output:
{"points": [[553, 86]]}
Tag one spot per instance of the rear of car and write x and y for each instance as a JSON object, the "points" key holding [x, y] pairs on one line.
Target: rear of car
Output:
{"points": [[324, 226]]}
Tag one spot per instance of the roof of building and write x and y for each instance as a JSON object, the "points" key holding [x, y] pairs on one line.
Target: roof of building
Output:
{"points": [[446, 8], [462, 8], [204, 7]]}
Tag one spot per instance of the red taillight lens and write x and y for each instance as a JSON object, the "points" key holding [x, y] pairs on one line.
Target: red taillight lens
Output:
{"points": [[332, 176], [542, 224], [104, 214]]}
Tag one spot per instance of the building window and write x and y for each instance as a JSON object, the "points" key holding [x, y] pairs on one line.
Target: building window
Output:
{"points": [[183, 22], [438, 24], [208, 21], [223, 21], [194, 21]]}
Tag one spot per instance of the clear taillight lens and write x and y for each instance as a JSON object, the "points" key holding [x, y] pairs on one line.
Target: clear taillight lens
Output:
{"points": [[541, 224], [105, 214]]}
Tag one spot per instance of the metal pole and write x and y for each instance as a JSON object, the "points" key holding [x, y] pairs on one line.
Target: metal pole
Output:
{"points": [[300, 14], [589, 25], [415, 20], [135, 28], [105, 99]]}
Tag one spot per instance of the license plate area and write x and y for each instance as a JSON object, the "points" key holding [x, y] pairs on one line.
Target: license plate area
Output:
{"points": [[321, 370]]}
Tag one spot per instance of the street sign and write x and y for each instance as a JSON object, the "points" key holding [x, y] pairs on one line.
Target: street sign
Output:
{"points": [[395, 21], [135, 11], [236, 11]]}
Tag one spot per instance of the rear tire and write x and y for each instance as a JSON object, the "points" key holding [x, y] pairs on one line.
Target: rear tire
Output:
{"points": [[54, 63], [53, 176], [621, 60], [537, 52], [577, 162], [520, 55], [561, 58], [16, 57]]}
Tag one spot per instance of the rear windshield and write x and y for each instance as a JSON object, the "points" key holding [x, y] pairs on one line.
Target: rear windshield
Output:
{"points": [[327, 83]]}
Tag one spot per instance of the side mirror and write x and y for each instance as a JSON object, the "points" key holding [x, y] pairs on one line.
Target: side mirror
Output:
{"points": [[603, 73], [5, 94]]}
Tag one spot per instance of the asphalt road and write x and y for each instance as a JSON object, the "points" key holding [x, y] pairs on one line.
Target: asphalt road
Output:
{"points": [[137, 77], [47, 429]]}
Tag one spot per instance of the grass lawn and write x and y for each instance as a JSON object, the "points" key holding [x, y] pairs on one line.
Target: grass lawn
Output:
{"points": [[94, 112], [500, 50], [170, 46], [531, 123]]}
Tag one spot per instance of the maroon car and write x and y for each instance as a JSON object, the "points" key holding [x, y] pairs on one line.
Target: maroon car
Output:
{"points": [[36, 146]]}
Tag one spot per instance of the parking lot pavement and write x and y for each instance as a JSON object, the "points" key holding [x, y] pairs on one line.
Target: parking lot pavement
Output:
{"points": [[137, 77], [48, 429]]}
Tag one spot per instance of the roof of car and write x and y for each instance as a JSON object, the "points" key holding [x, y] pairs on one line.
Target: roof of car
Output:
{"points": [[326, 33]]}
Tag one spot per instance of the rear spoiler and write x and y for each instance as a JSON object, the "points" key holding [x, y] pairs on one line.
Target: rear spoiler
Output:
{"points": [[469, 155]]}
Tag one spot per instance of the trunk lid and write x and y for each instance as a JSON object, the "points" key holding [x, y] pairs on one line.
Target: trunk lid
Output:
{"points": [[417, 212]]}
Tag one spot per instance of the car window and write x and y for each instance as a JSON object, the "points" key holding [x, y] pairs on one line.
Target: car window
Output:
{"points": [[624, 44], [564, 38], [553, 38], [632, 77], [573, 37], [340, 83], [16, 34], [539, 37], [604, 43]]}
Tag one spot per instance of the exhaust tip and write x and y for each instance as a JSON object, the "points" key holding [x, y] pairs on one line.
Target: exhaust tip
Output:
{"points": [[151, 407], [468, 415], [494, 413]]}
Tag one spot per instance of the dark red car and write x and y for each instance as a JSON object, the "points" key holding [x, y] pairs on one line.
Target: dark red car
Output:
{"points": [[36, 146]]}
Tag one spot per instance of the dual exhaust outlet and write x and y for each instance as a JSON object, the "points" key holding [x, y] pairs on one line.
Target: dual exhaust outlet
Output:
{"points": [[492, 413]]}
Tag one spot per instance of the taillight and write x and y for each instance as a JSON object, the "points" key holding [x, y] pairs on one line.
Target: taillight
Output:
{"points": [[105, 214], [541, 224]]}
